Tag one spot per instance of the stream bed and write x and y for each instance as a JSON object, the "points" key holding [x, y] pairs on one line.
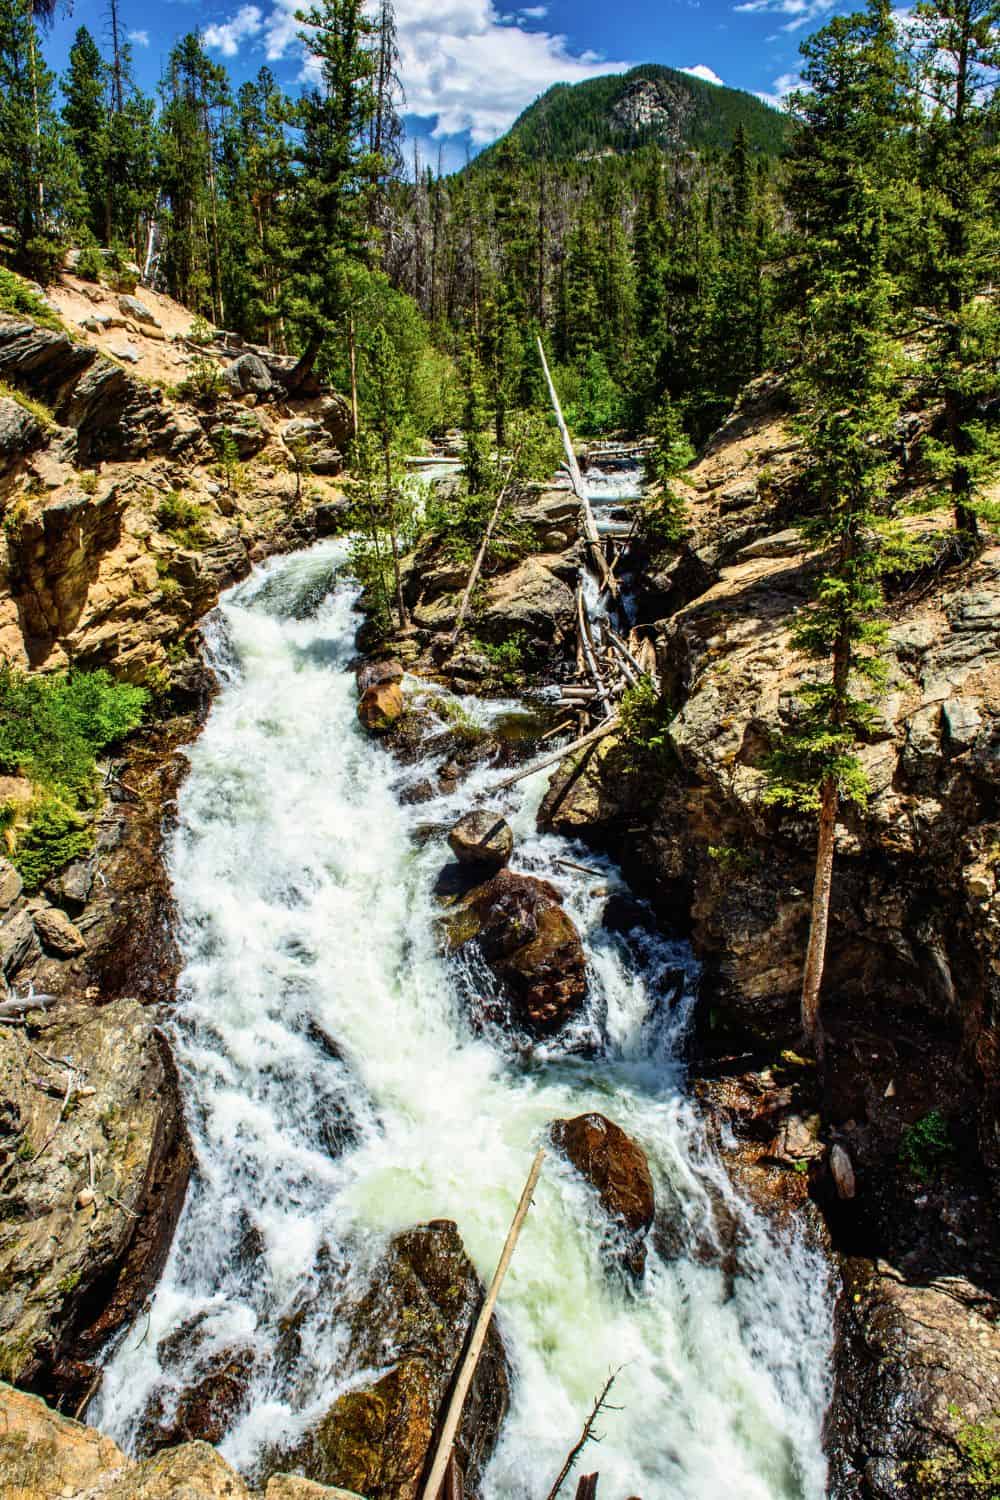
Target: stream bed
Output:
{"points": [[337, 1093]]}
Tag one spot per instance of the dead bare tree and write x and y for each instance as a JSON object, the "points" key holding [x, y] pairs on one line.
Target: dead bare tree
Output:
{"points": [[587, 1435]]}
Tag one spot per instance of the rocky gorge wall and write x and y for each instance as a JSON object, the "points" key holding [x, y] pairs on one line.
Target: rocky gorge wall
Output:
{"points": [[90, 575]]}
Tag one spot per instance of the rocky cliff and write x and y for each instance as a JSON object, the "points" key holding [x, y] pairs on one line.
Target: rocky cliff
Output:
{"points": [[908, 1111]]}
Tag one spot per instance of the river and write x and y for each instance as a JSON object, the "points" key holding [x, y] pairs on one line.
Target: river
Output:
{"points": [[336, 1093]]}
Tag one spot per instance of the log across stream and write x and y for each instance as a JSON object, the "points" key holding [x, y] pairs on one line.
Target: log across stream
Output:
{"points": [[337, 1093]]}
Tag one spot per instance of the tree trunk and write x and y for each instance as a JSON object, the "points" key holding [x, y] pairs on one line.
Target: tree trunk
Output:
{"points": [[352, 346], [812, 978], [391, 504], [296, 378]]}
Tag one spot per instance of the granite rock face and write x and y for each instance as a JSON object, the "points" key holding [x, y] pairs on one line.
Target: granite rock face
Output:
{"points": [[93, 1166]]}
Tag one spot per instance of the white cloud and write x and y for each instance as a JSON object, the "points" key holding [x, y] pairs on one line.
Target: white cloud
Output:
{"points": [[465, 65], [703, 71], [226, 36], [139, 38], [534, 12], [784, 85], [802, 12]]}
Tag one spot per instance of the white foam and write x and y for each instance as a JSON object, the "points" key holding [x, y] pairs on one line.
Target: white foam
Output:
{"points": [[303, 898]]}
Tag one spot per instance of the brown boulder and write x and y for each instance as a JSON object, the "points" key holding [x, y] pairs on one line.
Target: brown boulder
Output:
{"points": [[423, 1297], [482, 838], [381, 707], [531, 945], [613, 1164]]}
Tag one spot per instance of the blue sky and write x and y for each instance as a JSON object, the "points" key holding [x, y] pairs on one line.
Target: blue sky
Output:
{"points": [[470, 66]]}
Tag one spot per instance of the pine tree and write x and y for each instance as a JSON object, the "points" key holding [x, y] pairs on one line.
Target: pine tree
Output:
{"points": [[958, 59], [39, 194], [670, 455], [84, 113], [339, 172], [847, 387], [195, 92], [386, 414]]}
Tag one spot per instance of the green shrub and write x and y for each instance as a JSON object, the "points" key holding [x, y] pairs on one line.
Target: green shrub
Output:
{"points": [[37, 408], [201, 331], [183, 520], [120, 268], [224, 444], [925, 1146], [20, 300], [51, 730], [90, 264], [507, 657], [204, 384], [56, 834], [645, 722], [43, 259], [53, 726]]}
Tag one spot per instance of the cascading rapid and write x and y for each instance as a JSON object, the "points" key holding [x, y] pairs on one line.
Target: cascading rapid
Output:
{"points": [[336, 1093]]}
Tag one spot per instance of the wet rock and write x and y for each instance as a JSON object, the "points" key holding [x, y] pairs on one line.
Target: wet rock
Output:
{"points": [[482, 838], [57, 933], [917, 1367], [374, 673], [531, 945], [617, 1168], [206, 1409], [381, 707], [73, 1268], [424, 1296], [623, 914]]}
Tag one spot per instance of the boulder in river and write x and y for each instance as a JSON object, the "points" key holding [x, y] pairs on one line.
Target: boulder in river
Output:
{"points": [[518, 925], [612, 1163], [381, 694], [482, 838], [411, 1324]]}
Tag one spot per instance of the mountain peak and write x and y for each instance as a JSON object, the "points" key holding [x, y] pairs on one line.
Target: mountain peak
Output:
{"points": [[649, 105]]}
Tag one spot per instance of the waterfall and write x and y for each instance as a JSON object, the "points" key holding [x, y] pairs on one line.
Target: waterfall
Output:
{"points": [[336, 1093]]}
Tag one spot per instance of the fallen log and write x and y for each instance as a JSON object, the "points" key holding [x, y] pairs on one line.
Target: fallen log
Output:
{"points": [[589, 656], [442, 1456], [30, 1002], [579, 488], [551, 760]]}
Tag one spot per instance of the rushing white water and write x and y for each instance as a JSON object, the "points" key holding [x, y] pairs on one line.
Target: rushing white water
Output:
{"points": [[336, 1093]]}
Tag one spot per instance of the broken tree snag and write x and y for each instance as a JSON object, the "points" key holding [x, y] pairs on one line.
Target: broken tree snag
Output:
{"points": [[482, 551], [587, 1488], [443, 1453], [586, 1436], [608, 580], [551, 760]]}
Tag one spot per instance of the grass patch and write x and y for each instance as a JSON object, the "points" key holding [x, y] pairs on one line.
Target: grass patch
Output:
{"points": [[19, 300], [183, 521], [38, 409], [52, 728]]}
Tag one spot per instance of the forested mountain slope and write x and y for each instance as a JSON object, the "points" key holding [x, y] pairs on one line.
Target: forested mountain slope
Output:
{"points": [[650, 105]]}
